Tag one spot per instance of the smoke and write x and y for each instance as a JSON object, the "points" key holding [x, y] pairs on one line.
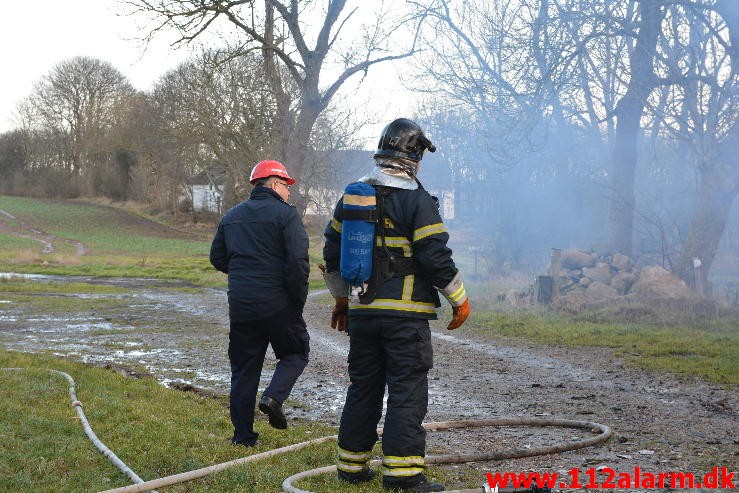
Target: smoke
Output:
{"points": [[557, 195]]}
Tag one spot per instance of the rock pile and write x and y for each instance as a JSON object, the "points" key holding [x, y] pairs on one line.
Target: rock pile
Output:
{"points": [[588, 279]]}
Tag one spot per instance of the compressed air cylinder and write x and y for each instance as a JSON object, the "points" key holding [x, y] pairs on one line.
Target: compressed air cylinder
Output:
{"points": [[357, 233]]}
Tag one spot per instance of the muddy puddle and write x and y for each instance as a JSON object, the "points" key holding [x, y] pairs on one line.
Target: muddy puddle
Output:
{"points": [[179, 337]]}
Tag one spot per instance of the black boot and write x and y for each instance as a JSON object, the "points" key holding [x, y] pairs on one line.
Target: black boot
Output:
{"points": [[357, 477], [420, 487], [424, 486], [273, 409]]}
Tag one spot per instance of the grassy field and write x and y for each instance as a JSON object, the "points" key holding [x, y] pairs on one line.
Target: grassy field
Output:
{"points": [[154, 430], [708, 348], [119, 243]]}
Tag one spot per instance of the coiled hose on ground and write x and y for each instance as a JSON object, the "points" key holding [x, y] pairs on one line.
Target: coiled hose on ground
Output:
{"points": [[287, 485]]}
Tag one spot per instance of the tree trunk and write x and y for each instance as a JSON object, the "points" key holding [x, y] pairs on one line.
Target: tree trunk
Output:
{"points": [[719, 188], [628, 115], [284, 127], [299, 151]]}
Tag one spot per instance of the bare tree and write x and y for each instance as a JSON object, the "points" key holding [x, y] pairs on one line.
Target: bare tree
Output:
{"points": [[220, 113], [12, 159], [318, 45], [628, 113], [699, 70], [74, 107]]}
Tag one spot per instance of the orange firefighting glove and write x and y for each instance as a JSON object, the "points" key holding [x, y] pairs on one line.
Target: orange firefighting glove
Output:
{"points": [[340, 314], [459, 315]]}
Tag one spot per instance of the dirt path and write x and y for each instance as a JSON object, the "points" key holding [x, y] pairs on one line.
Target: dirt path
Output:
{"points": [[11, 225], [660, 423]]}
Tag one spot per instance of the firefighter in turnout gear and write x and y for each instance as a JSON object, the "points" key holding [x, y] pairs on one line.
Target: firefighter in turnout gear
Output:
{"points": [[390, 340]]}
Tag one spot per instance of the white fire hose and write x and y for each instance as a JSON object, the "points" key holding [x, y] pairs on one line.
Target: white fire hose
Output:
{"points": [[88, 430]]}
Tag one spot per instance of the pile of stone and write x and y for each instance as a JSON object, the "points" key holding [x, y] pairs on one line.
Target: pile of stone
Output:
{"points": [[588, 279]]}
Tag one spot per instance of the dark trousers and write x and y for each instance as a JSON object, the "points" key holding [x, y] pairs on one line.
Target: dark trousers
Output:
{"points": [[396, 352], [247, 346]]}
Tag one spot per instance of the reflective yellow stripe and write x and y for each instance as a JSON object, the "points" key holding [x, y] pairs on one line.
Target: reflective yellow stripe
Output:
{"points": [[361, 200], [402, 305], [401, 242], [408, 281], [458, 294], [336, 224], [345, 454], [408, 287], [411, 460], [349, 468], [395, 241], [429, 230], [401, 472]]}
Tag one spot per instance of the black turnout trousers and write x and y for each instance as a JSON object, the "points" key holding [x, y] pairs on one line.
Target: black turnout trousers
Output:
{"points": [[248, 340], [397, 352]]}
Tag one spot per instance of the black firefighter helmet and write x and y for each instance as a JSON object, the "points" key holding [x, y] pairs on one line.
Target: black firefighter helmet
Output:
{"points": [[403, 138]]}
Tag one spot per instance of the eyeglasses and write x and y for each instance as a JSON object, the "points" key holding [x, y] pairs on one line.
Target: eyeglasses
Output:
{"points": [[283, 184]]}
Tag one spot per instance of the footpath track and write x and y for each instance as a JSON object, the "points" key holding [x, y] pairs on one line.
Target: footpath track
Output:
{"points": [[14, 226]]}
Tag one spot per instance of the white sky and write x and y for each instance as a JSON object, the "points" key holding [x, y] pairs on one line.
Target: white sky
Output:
{"points": [[36, 35]]}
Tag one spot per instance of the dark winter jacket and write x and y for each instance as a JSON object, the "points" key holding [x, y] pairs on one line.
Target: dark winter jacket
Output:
{"points": [[413, 227], [263, 247]]}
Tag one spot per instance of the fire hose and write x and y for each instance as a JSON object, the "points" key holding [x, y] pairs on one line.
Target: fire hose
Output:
{"points": [[288, 487], [88, 430], [605, 433]]}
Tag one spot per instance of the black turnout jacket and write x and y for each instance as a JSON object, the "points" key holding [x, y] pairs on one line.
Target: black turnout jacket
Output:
{"points": [[413, 227], [263, 247]]}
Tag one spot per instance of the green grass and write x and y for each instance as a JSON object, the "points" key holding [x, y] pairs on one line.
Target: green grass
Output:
{"points": [[100, 228], [10, 242], [44, 304], [120, 243], [155, 430], [14, 285], [709, 348]]}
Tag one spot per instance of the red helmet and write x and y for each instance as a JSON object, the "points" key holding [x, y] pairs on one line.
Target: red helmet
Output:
{"points": [[268, 168]]}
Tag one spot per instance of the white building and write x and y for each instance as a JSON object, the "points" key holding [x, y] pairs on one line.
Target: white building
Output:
{"points": [[206, 198]]}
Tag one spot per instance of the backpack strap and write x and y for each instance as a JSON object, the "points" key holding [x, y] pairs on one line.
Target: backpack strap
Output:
{"points": [[385, 265]]}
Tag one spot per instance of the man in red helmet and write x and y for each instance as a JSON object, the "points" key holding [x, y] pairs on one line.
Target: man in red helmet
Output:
{"points": [[263, 247]]}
